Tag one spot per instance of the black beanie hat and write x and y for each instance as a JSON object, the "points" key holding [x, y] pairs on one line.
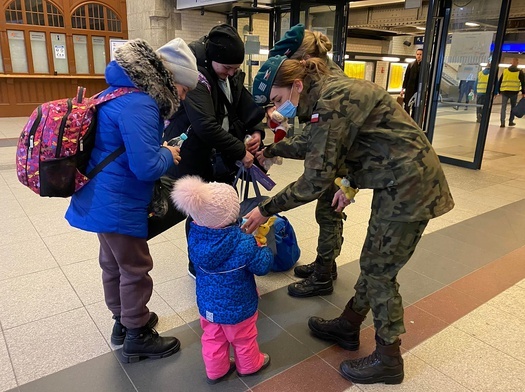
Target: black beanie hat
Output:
{"points": [[224, 45]]}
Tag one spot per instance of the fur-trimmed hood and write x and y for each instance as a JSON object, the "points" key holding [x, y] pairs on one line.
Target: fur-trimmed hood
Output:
{"points": [[147, 72]]}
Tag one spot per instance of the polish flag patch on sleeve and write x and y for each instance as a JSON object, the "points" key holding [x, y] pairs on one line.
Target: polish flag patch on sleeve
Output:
{"points": [[314, 118]]}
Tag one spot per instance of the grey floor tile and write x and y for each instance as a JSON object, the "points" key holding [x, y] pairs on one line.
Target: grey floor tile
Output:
{"points": [[413, 286], [101, 374], [7, 375], [292, 315], [482, 238], [32, 297], [284, 350], [438, 267], [46, 346], [19, 258], [183, 371], [500, 223], [455, 249]]}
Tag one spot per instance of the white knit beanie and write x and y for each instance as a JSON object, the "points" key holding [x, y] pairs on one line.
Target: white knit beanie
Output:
{"points": [[214, 205], [179, 59]]}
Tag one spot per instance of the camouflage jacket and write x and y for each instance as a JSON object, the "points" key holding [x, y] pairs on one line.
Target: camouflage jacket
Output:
{"points": [[357, 129]]}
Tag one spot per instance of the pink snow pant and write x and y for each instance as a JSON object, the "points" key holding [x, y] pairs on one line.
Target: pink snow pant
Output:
{"points": [[216, 341]]}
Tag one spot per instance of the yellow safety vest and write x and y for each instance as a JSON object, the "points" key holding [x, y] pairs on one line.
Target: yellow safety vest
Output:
{"points": [[483, 81], [511, 81]]}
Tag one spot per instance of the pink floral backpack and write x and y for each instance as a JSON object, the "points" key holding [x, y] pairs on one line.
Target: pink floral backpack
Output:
{"points": [[55, 145]]}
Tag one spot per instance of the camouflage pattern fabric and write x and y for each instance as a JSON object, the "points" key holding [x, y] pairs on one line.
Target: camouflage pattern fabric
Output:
{"points": [[359, 130], [388, 247]]}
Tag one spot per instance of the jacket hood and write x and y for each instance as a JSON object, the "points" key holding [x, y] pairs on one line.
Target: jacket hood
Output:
{"points": [[116, 77], [147, 72], [513, 69], [486, 71], [221, 243]]}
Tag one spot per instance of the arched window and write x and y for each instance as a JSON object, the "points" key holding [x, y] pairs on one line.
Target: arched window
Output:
{"points": [[34, 12], [93, 16]]}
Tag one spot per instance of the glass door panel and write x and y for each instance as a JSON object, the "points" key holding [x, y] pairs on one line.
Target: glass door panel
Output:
{"points": [[461, 104]]}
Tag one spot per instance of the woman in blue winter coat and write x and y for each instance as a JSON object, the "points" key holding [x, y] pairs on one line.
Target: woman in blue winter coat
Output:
{"points": [[226, 260], [114, 204]]}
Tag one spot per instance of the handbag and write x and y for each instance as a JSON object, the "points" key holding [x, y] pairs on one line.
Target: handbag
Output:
{"points": [[519, 109], [162, 214]]}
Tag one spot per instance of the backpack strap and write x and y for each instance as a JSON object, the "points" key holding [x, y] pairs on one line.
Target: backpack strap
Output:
{"points": [[119, 151], [106, 161], [113, 94]]}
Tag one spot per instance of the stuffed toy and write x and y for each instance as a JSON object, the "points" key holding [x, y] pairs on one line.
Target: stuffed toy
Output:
{"points": [[344, 185], [262, 231]]}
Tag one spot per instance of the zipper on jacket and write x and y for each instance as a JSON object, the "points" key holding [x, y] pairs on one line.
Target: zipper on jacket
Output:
{"points": [[31, 141], [61, 129]]}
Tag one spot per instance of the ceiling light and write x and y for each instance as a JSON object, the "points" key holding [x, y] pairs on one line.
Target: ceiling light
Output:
{"points": [[421, 28], [391, 59], [471, 24], [373, 3]]}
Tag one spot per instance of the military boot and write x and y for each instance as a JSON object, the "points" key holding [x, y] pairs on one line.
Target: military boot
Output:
{"points": [[145, 342], [344, 330], [319, 283], [304, 271], [119, 331], [385, 364]]}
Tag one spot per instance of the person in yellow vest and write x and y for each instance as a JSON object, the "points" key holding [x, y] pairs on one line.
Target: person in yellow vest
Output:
{"points": [[481, 90], [510, 83]]}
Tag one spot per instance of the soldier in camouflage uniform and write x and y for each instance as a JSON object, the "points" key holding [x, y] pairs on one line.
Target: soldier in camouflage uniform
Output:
{"points": [[357, 129], [299, 44]]}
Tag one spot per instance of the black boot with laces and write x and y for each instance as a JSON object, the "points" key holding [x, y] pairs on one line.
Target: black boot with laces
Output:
{"points": [[304, 271], [319, 283], [384, 365]]}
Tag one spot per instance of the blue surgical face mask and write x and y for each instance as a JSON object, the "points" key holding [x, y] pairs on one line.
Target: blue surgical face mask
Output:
{"points": [[288, 109]]}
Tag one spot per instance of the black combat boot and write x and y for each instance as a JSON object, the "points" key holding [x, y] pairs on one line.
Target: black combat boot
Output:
{"points": [[304, 271], [145, 342], [119, 331], [319, 283], [385, 364], [344, 330]]}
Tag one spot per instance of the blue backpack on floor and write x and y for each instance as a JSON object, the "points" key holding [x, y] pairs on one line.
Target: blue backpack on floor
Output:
{"points": [[281, 237]]}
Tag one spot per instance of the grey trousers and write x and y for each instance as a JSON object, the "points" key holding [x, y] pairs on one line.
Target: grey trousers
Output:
{"points": [[505, 96], [125, 263]]}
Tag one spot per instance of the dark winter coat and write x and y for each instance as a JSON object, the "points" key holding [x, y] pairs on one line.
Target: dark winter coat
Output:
{"points": [[225, 263], [204, 110], [411, 80], [116, 199]]}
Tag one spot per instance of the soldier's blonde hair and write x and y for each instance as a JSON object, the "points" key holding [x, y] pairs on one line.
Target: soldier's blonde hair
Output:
{"points": [[292, 69], [315, 44]]}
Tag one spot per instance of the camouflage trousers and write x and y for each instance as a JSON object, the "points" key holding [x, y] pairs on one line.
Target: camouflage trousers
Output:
{"points": [[388, 247], [330, 224]]}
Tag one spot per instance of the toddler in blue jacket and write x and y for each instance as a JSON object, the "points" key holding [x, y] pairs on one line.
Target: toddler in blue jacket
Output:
{"points": [[226, 260]]}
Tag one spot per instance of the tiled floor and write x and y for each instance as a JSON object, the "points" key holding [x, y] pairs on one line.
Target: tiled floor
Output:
{"points": [[464, 292]]}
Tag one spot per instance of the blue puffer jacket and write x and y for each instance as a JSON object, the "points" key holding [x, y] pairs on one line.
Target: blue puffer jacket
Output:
{"points": [[225, 261], [116, 199]]}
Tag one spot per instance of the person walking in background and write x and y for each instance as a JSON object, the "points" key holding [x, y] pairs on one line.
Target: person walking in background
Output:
{"points": [[358, 131], [465, 89], [411, 81], [510, 83], [225, 260], [481, 90], [114, 204], [300, 44]]}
